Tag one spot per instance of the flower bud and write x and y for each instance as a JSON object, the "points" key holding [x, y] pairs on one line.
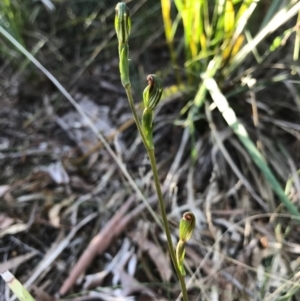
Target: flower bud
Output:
{"points": [[152, 92], [122, 23], [187, 226]]}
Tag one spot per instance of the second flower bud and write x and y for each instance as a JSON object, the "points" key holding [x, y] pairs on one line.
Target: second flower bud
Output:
{"points": [[152, 93]]}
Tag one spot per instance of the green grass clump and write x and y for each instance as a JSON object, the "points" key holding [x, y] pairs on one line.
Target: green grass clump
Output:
{"points": [[221, 38], [11, 18], [222, 30]]}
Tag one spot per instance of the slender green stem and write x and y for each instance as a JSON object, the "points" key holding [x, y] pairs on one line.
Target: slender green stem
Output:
{"points": [[136, 119], [151, 154], [151, 98], [138, 124]]}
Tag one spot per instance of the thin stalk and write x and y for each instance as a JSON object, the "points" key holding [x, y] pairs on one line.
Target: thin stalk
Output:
{"points": [[151, 155], [123, 27], [136, 119], [137, 122]]}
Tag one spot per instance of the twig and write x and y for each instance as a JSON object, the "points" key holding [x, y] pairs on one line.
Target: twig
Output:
{"points": [[98, 244]]}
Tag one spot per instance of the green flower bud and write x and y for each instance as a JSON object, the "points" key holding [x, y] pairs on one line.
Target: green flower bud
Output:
{"points": [[187, 226], [122, 23], [152, 92]]}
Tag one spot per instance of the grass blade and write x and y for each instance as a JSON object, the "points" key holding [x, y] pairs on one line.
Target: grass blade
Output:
{"points": [[297, 40], [278, 20], [17, 288], [275, 6], [169, 33], [242, 134]]}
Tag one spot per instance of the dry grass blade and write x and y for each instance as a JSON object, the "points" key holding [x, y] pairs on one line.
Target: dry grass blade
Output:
{"points": [[15, 285], [230, 161], [13, 263], [277, 294], [13, 229], [155, 253], [210, 250], [56, 250], [242, 134], [98, 244], [176, 162]]}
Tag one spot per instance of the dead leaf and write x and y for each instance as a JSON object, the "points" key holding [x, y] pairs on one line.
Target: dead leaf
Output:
{"points": [[15, 262], [158, 257], [14, 229], [94, 280], [114, 266], [56, 249], [5, 221], [4, 189], [131, 285], [41, 295], [78, 128], [57, 172], [98, 244], [4, 143], [53, 213]]}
